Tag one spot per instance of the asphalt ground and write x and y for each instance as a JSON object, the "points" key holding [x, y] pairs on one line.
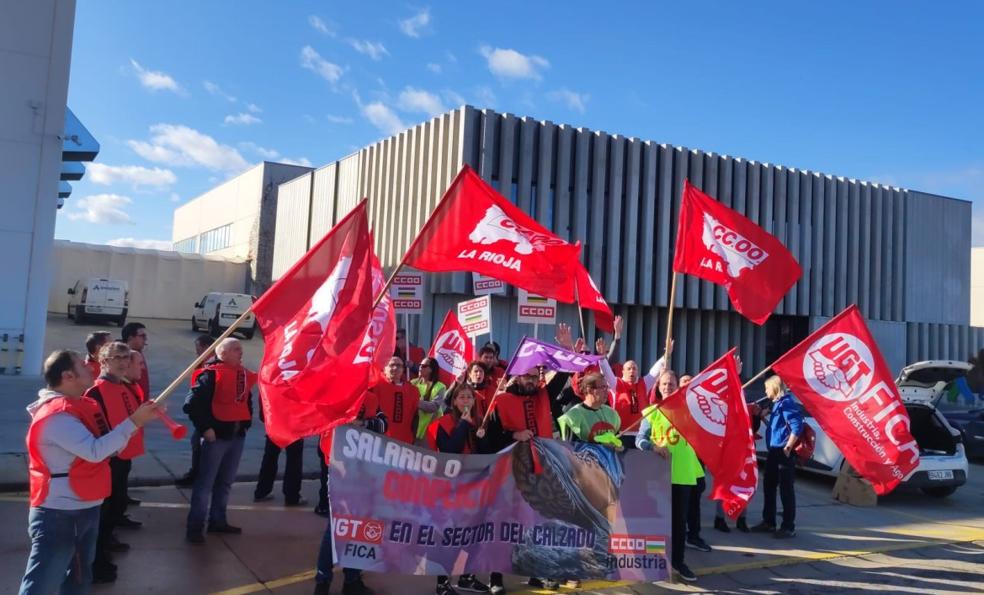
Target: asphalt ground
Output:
{"points": [[909, 543]]}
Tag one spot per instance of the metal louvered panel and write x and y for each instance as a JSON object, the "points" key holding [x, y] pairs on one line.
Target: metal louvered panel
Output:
{"points": [[293, 211]]}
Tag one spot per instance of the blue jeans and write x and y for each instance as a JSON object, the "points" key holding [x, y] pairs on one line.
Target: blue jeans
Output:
{"points": [[216, 472], [325, 562], [63, 546]]}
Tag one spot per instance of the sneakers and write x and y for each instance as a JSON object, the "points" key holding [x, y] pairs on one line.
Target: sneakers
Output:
{"points": [[497, 589], [322, 509], [698, 544], [684, 572], [742, 525], [195, 537], [467, 582], [721, 525], [445, 588], [262, 497], [764, 527], [784, 533], [224, 528], [495, 584], [128, 523], [356, 588], [132, 501], [543, 583]]}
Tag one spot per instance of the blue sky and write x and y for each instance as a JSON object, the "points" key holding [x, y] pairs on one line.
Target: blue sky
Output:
{"points": [[183, 95]]}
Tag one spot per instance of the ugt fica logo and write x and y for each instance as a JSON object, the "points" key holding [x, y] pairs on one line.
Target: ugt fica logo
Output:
{"points": [[839, 367], [706, 400]]}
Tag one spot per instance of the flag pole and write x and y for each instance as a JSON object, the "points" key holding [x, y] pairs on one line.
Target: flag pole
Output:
{"points": [[669, 321], [580, 311], [756, 377], [201, 358]]}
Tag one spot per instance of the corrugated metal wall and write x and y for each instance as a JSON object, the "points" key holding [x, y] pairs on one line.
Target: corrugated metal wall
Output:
{"points": [[621, 196], [293, 212], [942, 341]]}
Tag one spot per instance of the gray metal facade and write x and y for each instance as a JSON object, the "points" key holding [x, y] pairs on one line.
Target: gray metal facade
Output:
{"points": [[902, 256]]}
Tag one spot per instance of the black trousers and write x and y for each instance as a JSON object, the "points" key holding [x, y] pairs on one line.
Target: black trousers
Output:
{"points": [[292, 470], [693, 516], [112, 508], [680, 496], [323, 489], [780, 471]]}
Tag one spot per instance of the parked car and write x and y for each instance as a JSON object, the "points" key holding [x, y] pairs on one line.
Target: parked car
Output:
{"points": [[217, 311], [945, 381], [96, 298], [943, 462]]}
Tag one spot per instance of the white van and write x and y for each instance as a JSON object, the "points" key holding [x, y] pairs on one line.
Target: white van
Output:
{"points": [[99, 299], [216, 311]]}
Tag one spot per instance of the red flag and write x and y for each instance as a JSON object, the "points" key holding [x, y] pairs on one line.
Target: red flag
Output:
{"points": [[475, 229], [379, 340], [710, 413], [313, 321], [723, 246], [841, 378], [588, 296], [452, 349]]}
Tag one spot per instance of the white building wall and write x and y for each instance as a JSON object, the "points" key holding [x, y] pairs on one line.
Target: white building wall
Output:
{"points": [[35, 53], [977, 286], [235, 202], [162, 284]]}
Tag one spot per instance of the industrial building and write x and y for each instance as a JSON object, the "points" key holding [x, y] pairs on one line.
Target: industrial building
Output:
{"points": [[857, 242], [42, 147], [236, 220]]}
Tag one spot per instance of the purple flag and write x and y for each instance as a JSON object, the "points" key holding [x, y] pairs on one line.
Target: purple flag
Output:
{"points": [[532, 353]]}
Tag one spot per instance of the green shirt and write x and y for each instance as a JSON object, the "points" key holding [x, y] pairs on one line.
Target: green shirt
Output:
{"points": [[423, 418], [685, 467], [586, 424]]}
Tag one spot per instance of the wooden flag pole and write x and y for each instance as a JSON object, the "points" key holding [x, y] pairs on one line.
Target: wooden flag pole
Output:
{"points": [[669, 322], [201, 358], [756, 377], [580, 311]]}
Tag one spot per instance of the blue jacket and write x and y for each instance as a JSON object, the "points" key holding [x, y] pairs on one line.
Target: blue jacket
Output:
{"points": [[786, 417]]}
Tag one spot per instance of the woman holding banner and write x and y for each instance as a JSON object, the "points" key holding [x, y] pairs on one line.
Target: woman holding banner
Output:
{"points": [[454, 432], [431, 392]]}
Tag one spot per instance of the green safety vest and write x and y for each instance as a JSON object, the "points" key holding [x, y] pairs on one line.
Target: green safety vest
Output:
{"points": [[685, 467]]}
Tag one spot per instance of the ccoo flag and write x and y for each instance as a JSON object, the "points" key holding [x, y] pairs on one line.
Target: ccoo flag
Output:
{"points": [[723, 246], [452, 350], [710, 413], [475, 229], [841, 378], [314, 320]]}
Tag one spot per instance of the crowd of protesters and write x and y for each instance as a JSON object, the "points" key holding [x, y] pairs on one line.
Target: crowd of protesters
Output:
{"points": [[86, 431]]}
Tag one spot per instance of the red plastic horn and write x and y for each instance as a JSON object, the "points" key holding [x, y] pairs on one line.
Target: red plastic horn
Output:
{"points": [[178, 431]]}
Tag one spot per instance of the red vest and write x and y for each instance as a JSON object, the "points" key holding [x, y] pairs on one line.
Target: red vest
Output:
{"points": [[89, 481], [144, 381], [399, 404], [526, 413], [230, 399], [118, 403], [94, 366], [630, 400], [448, 423]]}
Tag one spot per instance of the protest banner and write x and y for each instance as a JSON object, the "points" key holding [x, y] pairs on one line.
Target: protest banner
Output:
{"points": [[590, 512]]}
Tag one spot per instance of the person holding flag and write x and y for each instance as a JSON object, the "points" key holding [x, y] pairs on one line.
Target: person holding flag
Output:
{"points": [[785, 427], [657, 434], [475, 378], [431, 391]]}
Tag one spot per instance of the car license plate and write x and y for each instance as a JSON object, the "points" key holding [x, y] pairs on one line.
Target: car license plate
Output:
{"points": [[93, 309], [940, 475]]}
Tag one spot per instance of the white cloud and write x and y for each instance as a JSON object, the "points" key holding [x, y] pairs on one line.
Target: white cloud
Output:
{"points": [[382, 117], [101, 209], [508, 63], [321, 26], [134, 175], [375, 50], [338, 119], [216, 90], [155, 80], [252, 107], [418, 100], [417, 24], [145, 244], [178, 145], [484, 96], [453, 98], [313, 61], [574, 100], [434, 67], [273, 154], [243, 118]]}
